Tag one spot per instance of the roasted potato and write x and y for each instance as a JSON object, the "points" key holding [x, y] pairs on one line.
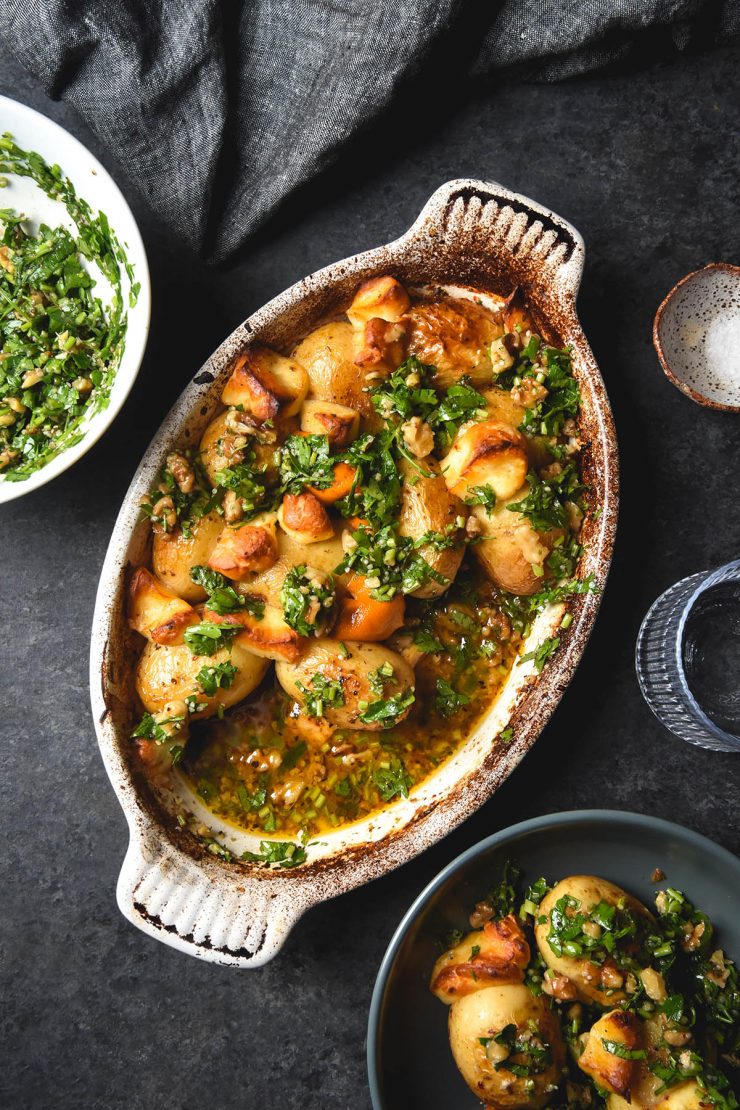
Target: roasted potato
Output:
{"points": [[327, 418], [222, 446], [379, 298], [609, 1070], [497, 953], [156, 611], [475, 1022], [428, 506], [489, 453], [323, 556], [591, 982], [246, 549], [512, 552], [304, 518], [267, 635], [168, 673], [174, 555], [454, 335], [350, 670], [264, 383], [328, 355]]}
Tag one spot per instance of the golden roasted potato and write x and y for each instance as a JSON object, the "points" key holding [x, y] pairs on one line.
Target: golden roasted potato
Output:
{"points": [[380, 346], [326, 418], [379, 298], [304, 518], [168, 673], [454, 335], [247, 548], [475, 1022], [489, 453], [512, 552], [602, 983], [610, 1070], [222, 446], [174, 555], [267, 636], [502, 406], [323, 556], [497, 953], [428, 506], [349, 671], [328, 355], [156, 611], [264, 383]]}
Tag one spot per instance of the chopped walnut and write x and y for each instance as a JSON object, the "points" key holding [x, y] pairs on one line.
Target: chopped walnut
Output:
{"points": [[677, 1037], [164, 517], [473, 526], [5, 260], [657, 876], [654, 984], [418, 437], [482, 914], [31, 378], [287, 793], [233, 508], [528, 393], [82, 385], [720, 972], [7, 455], [181, 471], [611, 978], [560, 987], [692, 935]]}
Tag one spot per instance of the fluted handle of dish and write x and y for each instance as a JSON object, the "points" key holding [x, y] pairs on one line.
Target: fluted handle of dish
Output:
{"points": [[219, 913], [484, 220]]}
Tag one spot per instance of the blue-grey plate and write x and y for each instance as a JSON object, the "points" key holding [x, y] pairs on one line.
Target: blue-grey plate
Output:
{"points": [[410, 1065]]}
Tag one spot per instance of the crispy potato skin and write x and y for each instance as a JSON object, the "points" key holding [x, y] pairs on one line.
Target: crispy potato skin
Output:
{"points": [[174, 555], [165, 674], [428, 506], [324, 556], [324, 657], [379, 298], [454, 335], [486, 1013], [302, 516], [502, 957], [265, 383], [328, 354], [487, 453], [588, 890], [156, 611], [247, 549], [612, 1073], [269, 636], [326, 418], [511, 548]]}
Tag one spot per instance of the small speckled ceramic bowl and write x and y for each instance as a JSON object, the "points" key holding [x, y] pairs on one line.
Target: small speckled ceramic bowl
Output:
{"points": [[471, 235], [697, 336]]}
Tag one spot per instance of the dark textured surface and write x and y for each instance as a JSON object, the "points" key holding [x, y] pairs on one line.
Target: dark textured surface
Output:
{"points": [[96, 1014]]}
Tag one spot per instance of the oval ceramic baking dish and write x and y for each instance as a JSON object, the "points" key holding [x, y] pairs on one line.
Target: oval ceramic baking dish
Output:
{"points": [[470, 234]]}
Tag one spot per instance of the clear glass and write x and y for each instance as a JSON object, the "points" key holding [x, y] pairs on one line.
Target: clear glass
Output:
{"points": [[688, 658]]}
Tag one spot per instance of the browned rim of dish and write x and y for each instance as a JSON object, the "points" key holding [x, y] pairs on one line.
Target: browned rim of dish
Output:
{"points": [[686, 389]]}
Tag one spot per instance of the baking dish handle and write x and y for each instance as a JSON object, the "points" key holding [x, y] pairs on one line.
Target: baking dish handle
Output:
{"points": [[235, 919], [484, 219]]}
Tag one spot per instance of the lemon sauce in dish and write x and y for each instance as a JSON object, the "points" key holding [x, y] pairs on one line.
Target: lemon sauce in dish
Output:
{"points": [[345, 569]]}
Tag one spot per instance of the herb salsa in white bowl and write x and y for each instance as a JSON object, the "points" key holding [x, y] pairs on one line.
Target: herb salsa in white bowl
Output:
{"points": [[75, 300]]}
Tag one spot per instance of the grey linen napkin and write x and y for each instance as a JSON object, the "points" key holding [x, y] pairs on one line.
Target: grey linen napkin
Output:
{"points": [[220, 109]]}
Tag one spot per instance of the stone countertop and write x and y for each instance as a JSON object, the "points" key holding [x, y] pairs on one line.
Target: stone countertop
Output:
{"points": [[94, 1012]]}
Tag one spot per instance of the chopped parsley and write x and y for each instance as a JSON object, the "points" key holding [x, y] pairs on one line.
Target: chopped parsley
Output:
{"points": [[541, 654], [324, 693], [306, 461], [482, 495], [307, 602], [447, 700], [222, 597], [210, 679], [207, 637], [376, 488], [393, 781], [250, 484], [387, 709], [285, 853], [390, 562]]}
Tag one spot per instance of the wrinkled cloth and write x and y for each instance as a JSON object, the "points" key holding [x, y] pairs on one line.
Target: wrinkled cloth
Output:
{"points": [[220, 109]]}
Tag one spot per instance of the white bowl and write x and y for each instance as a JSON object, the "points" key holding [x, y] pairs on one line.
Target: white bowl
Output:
{"points": [[32, 131]]}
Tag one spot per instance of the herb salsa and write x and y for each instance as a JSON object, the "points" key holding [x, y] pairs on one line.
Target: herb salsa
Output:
{"points": [[60, 347], [381, 514]]}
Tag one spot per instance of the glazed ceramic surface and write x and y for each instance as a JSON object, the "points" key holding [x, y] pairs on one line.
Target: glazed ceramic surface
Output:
{"points": [[470, 234], [697, 336], [32, 131], [409, 1059]]}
